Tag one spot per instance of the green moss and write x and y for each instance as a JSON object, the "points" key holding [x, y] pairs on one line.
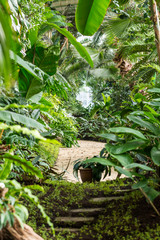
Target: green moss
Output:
{"points": [[118, 220], [49, 151]]}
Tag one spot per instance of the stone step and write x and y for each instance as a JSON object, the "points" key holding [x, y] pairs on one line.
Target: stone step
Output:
{"points": [[124, 190], [74, 222], [86, 211], [72, 230], [101, 200]]}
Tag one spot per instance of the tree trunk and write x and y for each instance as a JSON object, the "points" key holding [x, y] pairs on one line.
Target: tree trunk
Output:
{"points": [[155, 19], [18, 233]]}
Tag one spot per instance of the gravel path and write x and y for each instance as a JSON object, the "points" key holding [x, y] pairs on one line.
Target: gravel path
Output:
{"points": [[69, 155]]}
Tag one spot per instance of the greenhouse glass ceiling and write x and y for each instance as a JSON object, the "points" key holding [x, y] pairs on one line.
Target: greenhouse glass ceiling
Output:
{"points": [[61, 5]]}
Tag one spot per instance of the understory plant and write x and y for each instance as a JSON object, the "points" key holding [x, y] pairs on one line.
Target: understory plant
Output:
{"points": [[133, 148], [97, 169], [10, 190]]}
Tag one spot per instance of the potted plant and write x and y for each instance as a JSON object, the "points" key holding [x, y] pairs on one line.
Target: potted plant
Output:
{"points": [[89, 171]]}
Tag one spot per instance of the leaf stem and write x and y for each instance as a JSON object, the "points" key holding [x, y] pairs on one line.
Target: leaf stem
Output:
{"points": [[151, 203]]}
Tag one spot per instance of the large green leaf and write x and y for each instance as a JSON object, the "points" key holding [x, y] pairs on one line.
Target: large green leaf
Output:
{"points": [[33, 35], [122, 148], [124, 159], [127, 130], [31, 77], [145, 124], [8, 116], [141, 166], [82, 51], [102, 161], [151, 192], [6, 42], [154, 103], [90, 14], [140, 184], [6, 168], [124, 171], [154, 90], [151, 109], [45, 64], [34, 87], [21, 211], [155, 155], [26, 65], [110, 136], [45, 58], [26, 165], [148, 115]]}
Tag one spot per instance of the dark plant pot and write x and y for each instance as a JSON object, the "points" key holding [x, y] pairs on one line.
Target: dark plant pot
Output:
{"points": [[86, 174]]}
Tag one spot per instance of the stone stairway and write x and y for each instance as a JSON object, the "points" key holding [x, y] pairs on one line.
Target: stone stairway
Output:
{"points": [[79, 217]]}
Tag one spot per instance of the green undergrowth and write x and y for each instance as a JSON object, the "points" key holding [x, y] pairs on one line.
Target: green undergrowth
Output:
{"points": [[128, 218]]}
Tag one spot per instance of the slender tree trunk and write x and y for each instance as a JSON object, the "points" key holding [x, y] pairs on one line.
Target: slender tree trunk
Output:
{"points": [[155, 19]]}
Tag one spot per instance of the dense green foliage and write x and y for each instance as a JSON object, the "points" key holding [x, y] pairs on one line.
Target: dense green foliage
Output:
{"points": [[40, 77], [30, 52]]}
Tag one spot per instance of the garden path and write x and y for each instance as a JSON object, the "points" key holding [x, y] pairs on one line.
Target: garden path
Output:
{"points": [[83, 150]]}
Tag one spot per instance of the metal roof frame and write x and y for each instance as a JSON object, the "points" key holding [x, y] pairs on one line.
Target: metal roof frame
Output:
{"points": [[61, 5]]}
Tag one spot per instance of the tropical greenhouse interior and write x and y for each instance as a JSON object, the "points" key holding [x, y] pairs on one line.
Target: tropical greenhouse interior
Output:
{"points": [[79, 120]]}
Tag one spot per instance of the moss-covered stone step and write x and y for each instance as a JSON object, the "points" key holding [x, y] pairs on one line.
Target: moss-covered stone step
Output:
{"points": [[122, 191], [86, 211], [101, 200], [75, 222], [72, 230]]}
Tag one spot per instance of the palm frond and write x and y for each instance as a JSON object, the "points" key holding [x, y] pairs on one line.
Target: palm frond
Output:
{"points": [[72, 68], [103, 73], [154, 66], [145, 73], [143, 61], [117, 28], [135, 47], [122, 2]]}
